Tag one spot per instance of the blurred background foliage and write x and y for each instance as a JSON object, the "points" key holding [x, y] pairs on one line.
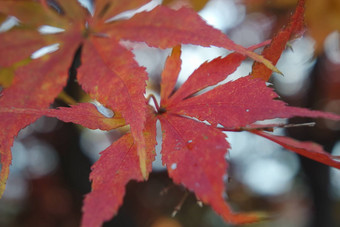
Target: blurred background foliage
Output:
{"points": [[51, 159]]}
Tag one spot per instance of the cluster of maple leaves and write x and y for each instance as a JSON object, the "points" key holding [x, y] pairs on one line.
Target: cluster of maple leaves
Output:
{"points": [[194, 143]]}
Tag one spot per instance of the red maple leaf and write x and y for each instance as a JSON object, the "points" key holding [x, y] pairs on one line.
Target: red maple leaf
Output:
{"points": [[108, 72], [191, 147]]}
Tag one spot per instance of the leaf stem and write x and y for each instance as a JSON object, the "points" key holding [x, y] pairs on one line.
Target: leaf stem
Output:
{"points": [[151, 96]]}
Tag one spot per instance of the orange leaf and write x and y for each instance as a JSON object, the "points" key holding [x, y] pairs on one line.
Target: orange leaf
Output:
{"points": [[105, 9]]}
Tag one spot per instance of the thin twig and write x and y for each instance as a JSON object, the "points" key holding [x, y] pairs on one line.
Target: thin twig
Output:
{"points": [[180, 204], [266, 127]]}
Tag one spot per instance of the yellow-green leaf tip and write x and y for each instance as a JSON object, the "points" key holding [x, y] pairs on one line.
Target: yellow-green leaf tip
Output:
{"points": [[3, 179], [263, 216]]}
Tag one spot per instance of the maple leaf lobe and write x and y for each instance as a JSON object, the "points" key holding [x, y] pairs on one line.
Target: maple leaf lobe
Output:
{"points": [[117, 165]]}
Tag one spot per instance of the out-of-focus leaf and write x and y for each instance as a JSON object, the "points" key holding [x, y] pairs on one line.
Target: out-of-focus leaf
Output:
{"points": [[322, 18], [105, 9], [34, 86], [32, 13]]}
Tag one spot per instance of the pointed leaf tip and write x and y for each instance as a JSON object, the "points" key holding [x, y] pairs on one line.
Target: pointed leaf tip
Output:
{"points": [[261, 59]]}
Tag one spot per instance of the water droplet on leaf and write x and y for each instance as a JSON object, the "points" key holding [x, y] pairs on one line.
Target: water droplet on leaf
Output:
{"points": [[173, 166], [103, 110]]}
